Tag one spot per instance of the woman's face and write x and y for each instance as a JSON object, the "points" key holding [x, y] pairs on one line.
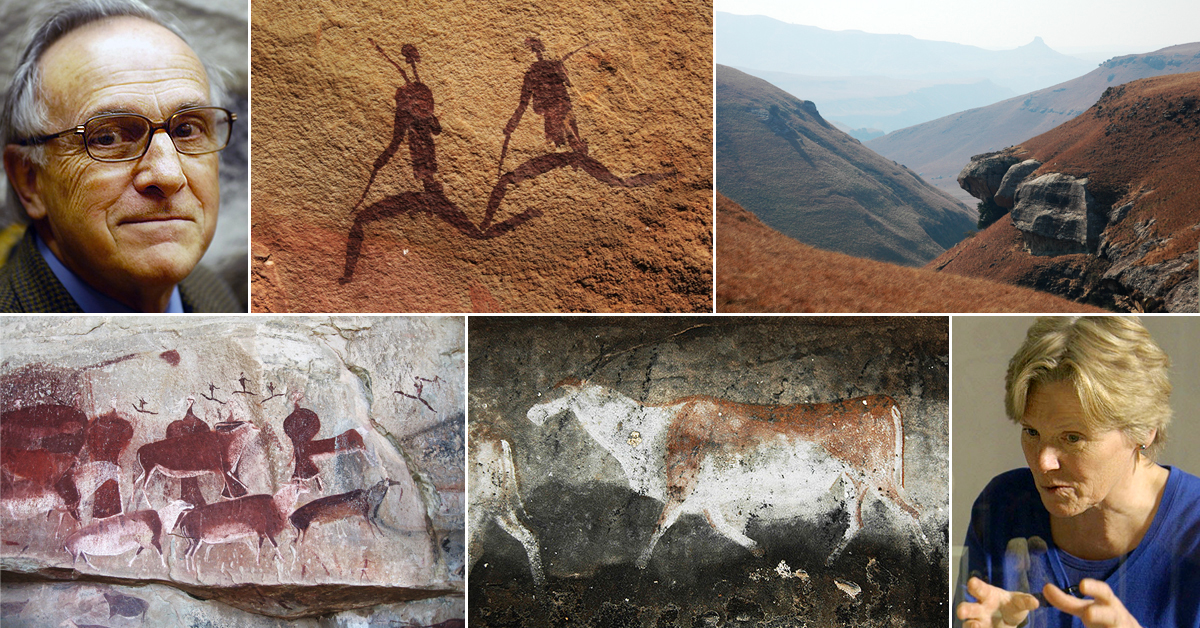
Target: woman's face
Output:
{"points": [[1076, 468]]}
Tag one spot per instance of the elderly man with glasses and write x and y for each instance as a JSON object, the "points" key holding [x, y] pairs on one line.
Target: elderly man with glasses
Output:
{"points": [[121, 213]]}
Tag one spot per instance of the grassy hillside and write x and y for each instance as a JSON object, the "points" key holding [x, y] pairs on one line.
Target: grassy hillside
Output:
{"points": [[939, 149], [778, 158], [762, 270]]}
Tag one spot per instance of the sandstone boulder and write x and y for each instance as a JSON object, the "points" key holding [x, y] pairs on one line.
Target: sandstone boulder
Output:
{"points": [[1057, 215], [1007, 193], [981, 176], [483, 156], [288, 468]]}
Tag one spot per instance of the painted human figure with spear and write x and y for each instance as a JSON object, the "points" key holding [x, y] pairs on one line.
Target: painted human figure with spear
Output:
{"points": [[545, 87], [414, 120]]}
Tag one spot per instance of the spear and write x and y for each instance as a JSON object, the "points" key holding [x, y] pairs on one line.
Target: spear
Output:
{"points": [[385, 56]]}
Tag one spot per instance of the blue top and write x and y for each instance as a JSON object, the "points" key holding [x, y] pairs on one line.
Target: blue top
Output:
{"points": [[1009, 545], [91, 300]]}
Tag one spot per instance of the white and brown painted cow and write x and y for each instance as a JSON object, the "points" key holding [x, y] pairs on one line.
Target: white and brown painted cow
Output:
{"points": [[732, 462]]}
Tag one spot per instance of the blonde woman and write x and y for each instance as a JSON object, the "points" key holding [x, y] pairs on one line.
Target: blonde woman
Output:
{"points": [[1094, 532]]}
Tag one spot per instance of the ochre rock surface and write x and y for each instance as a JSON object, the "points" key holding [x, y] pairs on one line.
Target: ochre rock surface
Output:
{"points": [[377, 191]]}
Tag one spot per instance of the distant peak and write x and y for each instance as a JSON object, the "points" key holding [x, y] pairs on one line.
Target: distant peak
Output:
{"points": [[1037, 42]]}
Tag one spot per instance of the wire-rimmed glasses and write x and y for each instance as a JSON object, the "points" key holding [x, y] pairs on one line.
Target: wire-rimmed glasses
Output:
{"points": [[126, 136]]}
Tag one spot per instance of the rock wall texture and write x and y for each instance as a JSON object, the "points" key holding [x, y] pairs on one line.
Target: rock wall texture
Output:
{"points": [[217, 30], [283, 469], [708, 471], [482, 156], [1057, 215], [1007, 194]]}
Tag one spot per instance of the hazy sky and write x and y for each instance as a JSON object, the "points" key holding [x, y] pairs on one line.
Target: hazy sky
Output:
{"points": [[1066, 25]]}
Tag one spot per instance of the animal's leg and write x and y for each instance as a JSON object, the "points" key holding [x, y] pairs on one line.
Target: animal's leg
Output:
{"points": [[718, 522], [87, 560], [135, 555], [511, 524], [899, 499], [667, 519], [474, 540], [857, 493]]}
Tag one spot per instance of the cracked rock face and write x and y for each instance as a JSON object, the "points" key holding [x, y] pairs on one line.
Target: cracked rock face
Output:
{"points": [[673, 472], [1007, 193], [288, 468], [1057, 215]]}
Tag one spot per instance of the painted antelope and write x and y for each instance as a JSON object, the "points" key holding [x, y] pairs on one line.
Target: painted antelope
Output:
{"points": [[302, 426], [199, 453], [494, 497], [252, 516], [733, 461], [363, 503], [116, 535]]}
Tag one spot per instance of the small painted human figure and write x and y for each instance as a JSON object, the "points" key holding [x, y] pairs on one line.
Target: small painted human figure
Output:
{"points": [[545, 87], [415, 121]]}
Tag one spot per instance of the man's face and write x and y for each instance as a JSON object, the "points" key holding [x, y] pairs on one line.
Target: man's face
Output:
{"points": [[141, 222]]}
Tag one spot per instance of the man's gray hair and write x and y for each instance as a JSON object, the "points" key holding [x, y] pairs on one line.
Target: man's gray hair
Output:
{"points": [[24, 112]]}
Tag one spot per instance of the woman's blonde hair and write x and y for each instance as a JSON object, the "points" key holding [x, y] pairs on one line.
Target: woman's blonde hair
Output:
{"points": [[1116, 368]]}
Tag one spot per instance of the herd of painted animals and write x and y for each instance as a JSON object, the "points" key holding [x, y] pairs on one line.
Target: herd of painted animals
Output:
{"points": [[55, 458]]}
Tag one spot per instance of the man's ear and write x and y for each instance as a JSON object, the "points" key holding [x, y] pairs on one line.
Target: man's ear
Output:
{"points": [[23, 176]]}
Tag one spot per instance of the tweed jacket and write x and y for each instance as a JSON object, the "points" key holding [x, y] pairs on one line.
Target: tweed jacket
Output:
{"points": [[28, 285]]}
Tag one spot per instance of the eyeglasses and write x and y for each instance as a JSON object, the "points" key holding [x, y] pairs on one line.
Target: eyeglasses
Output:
{"points": [[126, 136]]}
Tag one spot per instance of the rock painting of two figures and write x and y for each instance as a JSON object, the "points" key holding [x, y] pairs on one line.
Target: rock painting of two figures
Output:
{"points": [[544, 89]]}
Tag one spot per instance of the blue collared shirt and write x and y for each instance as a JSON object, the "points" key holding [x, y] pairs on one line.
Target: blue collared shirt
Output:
{"points": [[91, 300]]}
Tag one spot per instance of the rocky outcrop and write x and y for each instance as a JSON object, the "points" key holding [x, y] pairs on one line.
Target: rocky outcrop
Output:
{"points": [[190, 454], [1007, 194], [1114, 224], [982, 176], [1057, 215]]}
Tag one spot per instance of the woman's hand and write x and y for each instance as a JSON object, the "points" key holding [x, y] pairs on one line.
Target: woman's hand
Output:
{"points": [[1104, 610], [995, 608]]}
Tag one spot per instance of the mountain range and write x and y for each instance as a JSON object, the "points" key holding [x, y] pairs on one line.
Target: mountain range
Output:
{"points": [[869, 106], [939, 149], [778, 157], [767, 44]]}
